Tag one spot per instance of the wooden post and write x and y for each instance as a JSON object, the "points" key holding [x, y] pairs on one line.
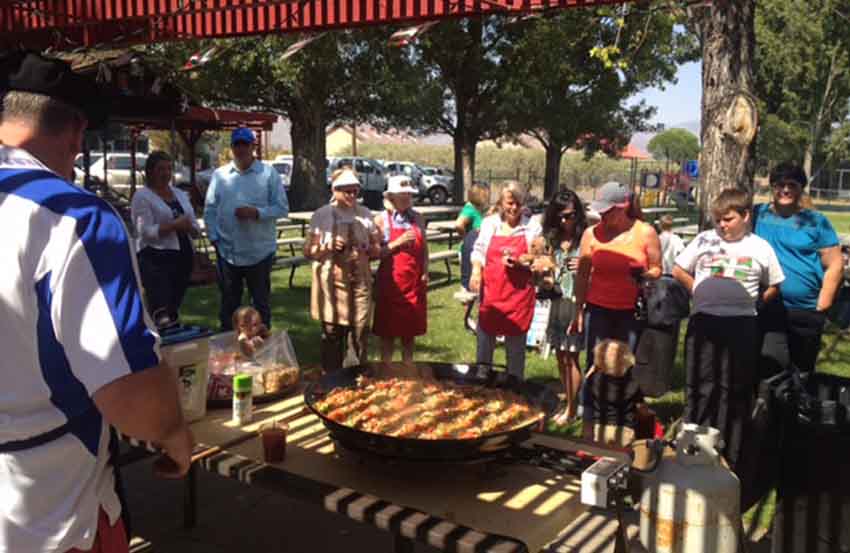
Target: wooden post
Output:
{"points": [[134, 135]]}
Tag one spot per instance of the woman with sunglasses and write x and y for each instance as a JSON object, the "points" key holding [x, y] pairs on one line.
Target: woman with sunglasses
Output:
{"points": [[564, 223], [810, 255]]}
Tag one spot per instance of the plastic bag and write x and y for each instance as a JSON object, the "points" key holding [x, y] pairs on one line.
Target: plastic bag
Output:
{"points": [[274, 367]]}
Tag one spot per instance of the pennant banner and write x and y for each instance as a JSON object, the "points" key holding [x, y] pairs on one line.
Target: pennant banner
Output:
{"points": [[298, 46], [405, 36]]}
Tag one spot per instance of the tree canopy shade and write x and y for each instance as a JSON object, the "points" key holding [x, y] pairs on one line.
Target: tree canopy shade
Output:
{"points": [[802, 75], [674, 145], [570, 75]]}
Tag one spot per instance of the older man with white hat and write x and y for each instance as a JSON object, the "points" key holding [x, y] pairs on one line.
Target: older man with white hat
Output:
{"points": [[342, 240], [401, 303]]}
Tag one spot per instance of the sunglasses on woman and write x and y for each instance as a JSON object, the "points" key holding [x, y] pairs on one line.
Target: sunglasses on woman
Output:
{"points": [[567, 216]]}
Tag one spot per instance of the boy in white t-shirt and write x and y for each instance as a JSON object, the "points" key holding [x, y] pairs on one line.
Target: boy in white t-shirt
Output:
{"points": [[671, 244], [728, 270]]}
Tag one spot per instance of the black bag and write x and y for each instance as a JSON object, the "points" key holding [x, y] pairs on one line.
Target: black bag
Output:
{"points": [[667, 302], [655, 359]]}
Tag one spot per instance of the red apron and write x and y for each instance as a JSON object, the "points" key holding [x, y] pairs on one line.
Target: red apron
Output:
{"points": [[507, 294], [401, 296]]}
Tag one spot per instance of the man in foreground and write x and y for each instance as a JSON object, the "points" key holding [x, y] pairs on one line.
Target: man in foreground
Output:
{"points": [[78, 352]]}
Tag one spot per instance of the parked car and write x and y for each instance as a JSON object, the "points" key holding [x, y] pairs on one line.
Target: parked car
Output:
{"points": [[409, 169], [438, 184], [118, 167], [372, 175], [119, 170], [80, 168], [284, 167]]}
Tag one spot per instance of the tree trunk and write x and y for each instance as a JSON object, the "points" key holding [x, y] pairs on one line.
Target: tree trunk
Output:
{"points": [[458, 185], [308, 188], [464, 146], [808, 157], [552, 178], [728, 41], [823, 113]]}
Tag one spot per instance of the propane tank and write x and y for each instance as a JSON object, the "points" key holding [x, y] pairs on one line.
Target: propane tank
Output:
{"points": [[692, 503]]}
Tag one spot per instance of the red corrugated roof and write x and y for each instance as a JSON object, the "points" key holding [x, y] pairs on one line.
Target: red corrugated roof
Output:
{"points": [[69, 24], [633, 152]]}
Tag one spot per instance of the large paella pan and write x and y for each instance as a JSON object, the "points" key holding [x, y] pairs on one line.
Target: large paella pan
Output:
{"points": [[431, 411]]}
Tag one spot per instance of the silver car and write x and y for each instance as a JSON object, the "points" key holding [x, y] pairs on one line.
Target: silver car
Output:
{"points": [[438, 184]]}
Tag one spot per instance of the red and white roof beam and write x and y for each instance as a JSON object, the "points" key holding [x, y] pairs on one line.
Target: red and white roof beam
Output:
{"points": [[68, 24]]}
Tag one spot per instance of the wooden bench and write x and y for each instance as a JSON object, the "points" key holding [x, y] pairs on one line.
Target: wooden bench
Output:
{"points": [[293, 260], [446, 256], [290, 262]]}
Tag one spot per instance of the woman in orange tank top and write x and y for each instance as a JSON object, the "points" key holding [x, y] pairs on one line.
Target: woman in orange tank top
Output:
{"points": [[614, 254]]}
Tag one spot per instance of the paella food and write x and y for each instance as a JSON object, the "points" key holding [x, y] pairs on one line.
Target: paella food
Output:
{"points": [[426, 409]]}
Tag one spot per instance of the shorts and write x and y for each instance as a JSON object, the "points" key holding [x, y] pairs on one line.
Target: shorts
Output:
{"points": [[561, 315]]}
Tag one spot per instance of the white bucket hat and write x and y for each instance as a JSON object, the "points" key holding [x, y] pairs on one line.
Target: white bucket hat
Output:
{"points": [[346, 178], [400, 184]]}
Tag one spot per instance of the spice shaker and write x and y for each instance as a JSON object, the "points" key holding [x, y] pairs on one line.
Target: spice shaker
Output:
{"points": [[243, 399]]}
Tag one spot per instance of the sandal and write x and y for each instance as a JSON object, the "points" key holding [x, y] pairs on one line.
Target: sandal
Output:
{"points": [[563, 419]]}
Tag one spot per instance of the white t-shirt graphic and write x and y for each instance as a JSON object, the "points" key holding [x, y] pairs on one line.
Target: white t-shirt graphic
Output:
{"points": [[729, 275]]}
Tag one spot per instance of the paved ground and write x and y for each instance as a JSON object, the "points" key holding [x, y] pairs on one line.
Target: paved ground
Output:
{"points": [[234, 518]]}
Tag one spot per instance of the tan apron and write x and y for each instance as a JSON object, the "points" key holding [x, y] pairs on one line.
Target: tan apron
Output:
{"points": [[342, 284]]}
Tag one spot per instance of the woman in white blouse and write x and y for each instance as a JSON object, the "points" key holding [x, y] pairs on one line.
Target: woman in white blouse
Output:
{"points": [[165, 225], [501, 272]]}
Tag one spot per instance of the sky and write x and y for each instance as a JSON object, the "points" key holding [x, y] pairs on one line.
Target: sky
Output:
{"points": [[678, 103]]}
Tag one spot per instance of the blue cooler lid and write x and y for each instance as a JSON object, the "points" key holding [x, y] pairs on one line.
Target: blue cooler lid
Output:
{"points": [[181, 333]]}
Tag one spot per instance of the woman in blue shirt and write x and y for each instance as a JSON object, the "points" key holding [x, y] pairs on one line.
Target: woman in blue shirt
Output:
{"points": [[810, 256]]}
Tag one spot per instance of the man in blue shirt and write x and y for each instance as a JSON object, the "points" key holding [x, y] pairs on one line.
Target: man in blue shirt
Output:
{"points": [[244, 200], [809, 253]]}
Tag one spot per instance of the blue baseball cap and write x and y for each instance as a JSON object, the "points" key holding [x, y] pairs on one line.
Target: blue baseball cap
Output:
{"points": [[242, 134]]}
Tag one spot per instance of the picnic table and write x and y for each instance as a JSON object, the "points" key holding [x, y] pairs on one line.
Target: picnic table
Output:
{"points": [[468, 507], [658, 210]]}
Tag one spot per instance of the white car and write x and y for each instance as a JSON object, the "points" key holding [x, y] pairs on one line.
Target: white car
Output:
{"points": [[284, 167], [407, 168], [80, 168], [438, 184], [118, 167], [119, 170]]}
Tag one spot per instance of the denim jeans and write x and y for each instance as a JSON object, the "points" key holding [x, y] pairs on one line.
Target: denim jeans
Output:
{"points": [[602, 323], [466, 257], [231, 283]]}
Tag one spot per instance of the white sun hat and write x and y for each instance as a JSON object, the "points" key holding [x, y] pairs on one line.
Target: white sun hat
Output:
{"points": [[346, 177], [400, 184]]}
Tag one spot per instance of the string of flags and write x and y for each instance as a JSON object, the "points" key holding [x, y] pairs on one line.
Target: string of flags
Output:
{"points": [[405, 36], [200, 58], [296, 47]]}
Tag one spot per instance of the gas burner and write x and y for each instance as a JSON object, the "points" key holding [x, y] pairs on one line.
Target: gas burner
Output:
{"points": [[491, 464]]}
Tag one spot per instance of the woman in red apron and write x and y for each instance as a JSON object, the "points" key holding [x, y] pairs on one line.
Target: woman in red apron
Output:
{"points": [[401, 289], [501, 272]]}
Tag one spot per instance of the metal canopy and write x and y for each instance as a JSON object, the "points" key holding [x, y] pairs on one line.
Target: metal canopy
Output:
{"points": [[70, 24]]}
